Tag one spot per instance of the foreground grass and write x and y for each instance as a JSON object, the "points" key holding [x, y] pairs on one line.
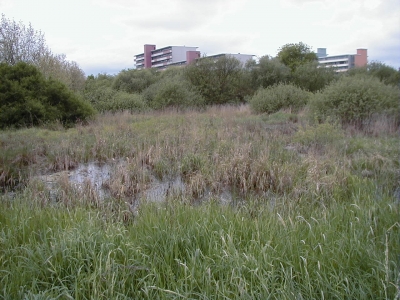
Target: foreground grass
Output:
{"points": [[343, 251], [315, 212]]}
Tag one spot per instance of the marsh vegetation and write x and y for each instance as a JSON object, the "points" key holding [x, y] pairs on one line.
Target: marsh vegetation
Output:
{"points": [[263, 207]]}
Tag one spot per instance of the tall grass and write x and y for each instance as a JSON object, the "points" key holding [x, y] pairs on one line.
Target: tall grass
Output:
{"points": [[314, 211], [346, 250]]}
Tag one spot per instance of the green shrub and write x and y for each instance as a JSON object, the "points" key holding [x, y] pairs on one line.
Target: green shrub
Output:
{"points": [[383, 72], [134, 81], [277, 97], [219, 81], [172, 92], [27, 98], [354, 99], [100, 93]]}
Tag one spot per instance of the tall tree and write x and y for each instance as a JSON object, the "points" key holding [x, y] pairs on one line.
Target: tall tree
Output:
{"points": [[294, 55], [312, 77], [56, 66], [268, 71], [20, 43]]}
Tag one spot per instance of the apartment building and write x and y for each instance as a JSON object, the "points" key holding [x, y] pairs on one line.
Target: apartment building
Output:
{"points": [[342, 62], [162, 58]]}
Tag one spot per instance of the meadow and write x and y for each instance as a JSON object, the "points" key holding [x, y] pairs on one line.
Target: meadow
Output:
{"points": [[311, 210]]}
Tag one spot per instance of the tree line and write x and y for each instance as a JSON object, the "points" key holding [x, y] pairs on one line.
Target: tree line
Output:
{"points": [[51, 88]]}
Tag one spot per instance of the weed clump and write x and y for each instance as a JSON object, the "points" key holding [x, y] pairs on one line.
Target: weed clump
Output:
{"points": [[319, 136]]}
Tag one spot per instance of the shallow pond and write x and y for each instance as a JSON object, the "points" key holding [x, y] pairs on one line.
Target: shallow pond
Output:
{"points": [[98, 175]]}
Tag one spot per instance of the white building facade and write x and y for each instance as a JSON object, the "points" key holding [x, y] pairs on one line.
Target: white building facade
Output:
{"points": [[164, 57], [342, 62]]}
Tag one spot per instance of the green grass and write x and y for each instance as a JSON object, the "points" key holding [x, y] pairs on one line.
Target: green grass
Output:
{"points": [[340, 251], [313, 217]]}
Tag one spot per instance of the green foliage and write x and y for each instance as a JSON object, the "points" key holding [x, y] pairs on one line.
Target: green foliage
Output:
{"points": [[294, 55], [119, 101], [27, 98], [19, 42], [311, 77], [281, 96], [172, 91], [220, 81], [134, 81], [383, 72], [269, 71], [99, 92], [354, 99], [59, 68]]}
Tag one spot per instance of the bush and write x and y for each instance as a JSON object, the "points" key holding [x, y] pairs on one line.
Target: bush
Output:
{"points": [[383, 72], [134, 81], [100, 92], [354, 99], [220, 81], [172, 92], [275, 98], [27, 99], [120, 101]]}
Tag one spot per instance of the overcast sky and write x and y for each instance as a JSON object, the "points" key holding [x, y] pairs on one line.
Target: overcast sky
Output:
{"points": [[103, 36]]}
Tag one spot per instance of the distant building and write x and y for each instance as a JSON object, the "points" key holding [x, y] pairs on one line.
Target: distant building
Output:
{"points": [[165, 57], [342, 62]]}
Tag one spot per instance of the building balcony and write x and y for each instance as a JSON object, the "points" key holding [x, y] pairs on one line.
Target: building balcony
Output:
{"points": [[161, 58], [158, 53], [330, 61], [343, 65], [161, 64]]}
